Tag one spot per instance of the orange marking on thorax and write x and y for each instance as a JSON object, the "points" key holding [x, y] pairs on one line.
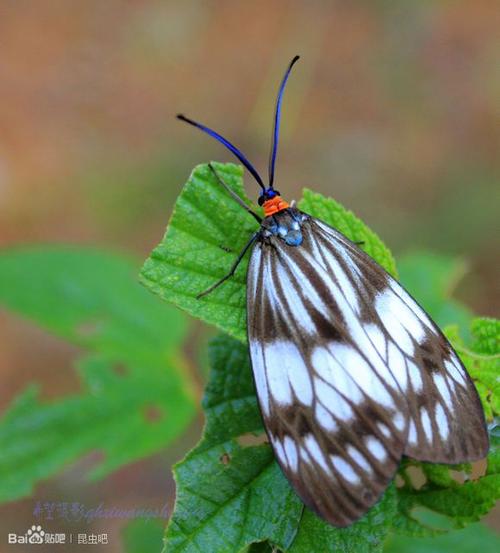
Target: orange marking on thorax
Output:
{"points": [[274, 205]]}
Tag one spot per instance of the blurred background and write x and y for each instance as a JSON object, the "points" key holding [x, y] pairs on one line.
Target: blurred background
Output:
{"points": [[392, 110]]}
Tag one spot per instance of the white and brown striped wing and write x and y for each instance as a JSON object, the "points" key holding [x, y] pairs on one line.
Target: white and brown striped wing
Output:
{"points": [[350, 373]]}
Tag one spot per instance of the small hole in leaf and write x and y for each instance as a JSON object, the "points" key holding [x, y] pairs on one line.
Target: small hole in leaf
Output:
{"points": [[399, 481], [225, 458], [250, 439], [153, 413], [417, 477], [458, 475], [478, 470]]}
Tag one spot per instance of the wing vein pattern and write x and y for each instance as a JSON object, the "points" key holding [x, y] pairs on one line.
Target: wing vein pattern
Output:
{"points": [[351, 373]]}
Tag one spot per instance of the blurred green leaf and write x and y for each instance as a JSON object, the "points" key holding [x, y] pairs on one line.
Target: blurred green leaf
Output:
{"points": [[472, 539], [136, 396], [89, 297], [432, 278], [143, 536], [207, 231]]}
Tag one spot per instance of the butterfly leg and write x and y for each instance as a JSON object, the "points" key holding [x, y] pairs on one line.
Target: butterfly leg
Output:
{"points": [[233, 268], [234, 195]]}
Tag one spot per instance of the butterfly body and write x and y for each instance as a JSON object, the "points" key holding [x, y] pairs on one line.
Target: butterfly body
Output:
{"points": [[351, 374], [285, 225]]}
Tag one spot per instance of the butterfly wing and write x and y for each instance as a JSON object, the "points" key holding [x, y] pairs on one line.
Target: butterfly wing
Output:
{"points": [[350, 373], [446, 417]]}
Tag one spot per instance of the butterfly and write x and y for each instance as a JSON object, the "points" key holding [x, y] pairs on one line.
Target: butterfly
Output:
{"points": [[351, 374]]}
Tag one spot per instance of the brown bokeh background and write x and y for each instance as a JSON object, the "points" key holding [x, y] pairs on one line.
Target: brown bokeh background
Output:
{"points": [[393, 110]]}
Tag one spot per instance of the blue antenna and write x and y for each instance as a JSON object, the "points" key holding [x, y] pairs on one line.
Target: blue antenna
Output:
{"points": [[228, 145], [277, 118]]}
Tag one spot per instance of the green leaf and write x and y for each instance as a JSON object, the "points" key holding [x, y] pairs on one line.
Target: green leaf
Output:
{"points": [[482, 360], [231, 493], [365, 536], [135, 396], [463, 503], [207, 231], [494, 454], [261, 547], [204, 236], [230, 402], [432, 278], [440, 475]]}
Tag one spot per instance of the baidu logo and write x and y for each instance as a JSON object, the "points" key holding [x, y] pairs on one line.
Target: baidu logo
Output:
{"points": [[34, 535]]}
